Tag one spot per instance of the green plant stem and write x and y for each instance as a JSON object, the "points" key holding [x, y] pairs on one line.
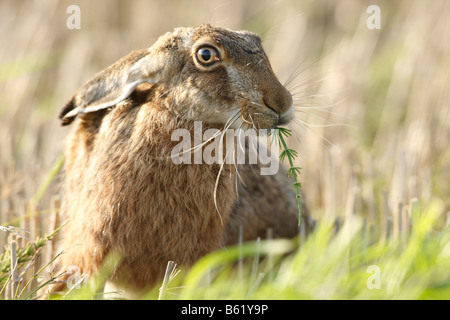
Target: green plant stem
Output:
{"points": [[294, 176]]}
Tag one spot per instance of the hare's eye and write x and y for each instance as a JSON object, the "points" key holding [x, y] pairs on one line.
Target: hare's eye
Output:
{"points": [[207, 56]]}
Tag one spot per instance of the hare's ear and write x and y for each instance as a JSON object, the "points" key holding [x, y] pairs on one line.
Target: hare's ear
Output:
{"points": [[112, 85]]}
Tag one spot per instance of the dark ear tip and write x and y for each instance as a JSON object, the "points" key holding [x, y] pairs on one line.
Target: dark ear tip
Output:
{"points": [[67, 121], [67, 108]]}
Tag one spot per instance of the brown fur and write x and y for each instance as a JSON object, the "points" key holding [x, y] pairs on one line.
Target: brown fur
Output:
{"points": [[124, 194], [265, 202]]}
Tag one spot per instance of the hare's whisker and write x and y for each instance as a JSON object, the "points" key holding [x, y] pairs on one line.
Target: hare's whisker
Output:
{"points": [[255, 103], [313, 98], [236, 116], [253, 123], [306, 85], [246, 121], [260, 60], [163, 94], [295, 73], [305, 147], [216, 185], [337, 124], [236, 165], [215, 135], [299, 70], [239, 138], [325, 142]]}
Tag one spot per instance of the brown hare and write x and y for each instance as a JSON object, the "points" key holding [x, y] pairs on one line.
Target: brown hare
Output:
{"points": [[124, 193]]}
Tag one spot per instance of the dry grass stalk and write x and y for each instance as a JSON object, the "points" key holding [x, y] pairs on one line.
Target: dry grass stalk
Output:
{"points": [[171, 272], [55, 223], [14, 279]]}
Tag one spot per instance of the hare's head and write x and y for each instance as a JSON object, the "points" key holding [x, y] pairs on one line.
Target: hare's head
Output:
{"points": [[210, 74]]}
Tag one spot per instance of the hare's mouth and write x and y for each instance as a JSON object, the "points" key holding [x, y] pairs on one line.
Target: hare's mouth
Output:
{"points": [[283, 118], [286, 117], [262, 116]]}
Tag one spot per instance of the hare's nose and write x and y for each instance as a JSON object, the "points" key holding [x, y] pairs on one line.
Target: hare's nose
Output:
{"points": [[277, 98]]}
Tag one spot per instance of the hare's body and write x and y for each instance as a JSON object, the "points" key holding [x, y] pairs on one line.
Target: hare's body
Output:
{"points": [[124, 193], [133, 199]]}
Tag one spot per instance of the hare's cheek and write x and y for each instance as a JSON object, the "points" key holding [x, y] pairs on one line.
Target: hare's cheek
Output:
{"points": [[215, 83]]}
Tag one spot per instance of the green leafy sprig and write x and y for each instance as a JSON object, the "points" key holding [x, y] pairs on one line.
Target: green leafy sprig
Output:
{"points": [[280, 134]]}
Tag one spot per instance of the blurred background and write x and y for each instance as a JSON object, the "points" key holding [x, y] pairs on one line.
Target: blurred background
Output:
{"points": [[372, 128]]}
